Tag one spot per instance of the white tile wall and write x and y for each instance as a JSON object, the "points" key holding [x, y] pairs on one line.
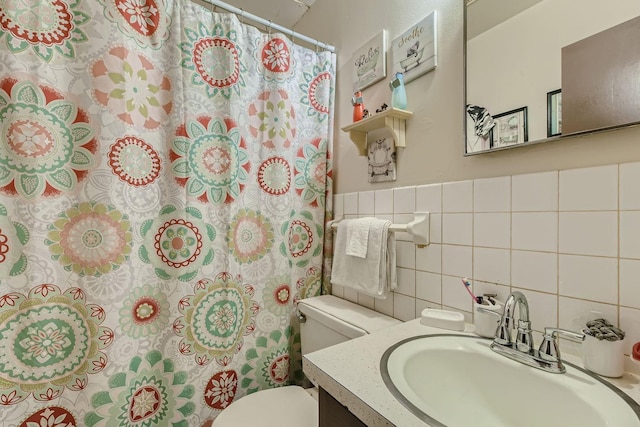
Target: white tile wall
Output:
{"points": [[457, 229], [454, 295], [429, 198], [351, 204], [406, 282], [630, 234], [492, 194], [384, 201], [338, 205], [404, 200], [573, 312], [366, 203], [435, 227], [589, 233], [366, 301], [404, 307], [406, 254], [630, 323], [589, 189], [492, 230], [629, 188], [537, 231], [429, 258], [536, 192], [385, 306], [590, 278], [492, 265], [535, 270], [457, 196], [629, 283], [569, 240], [457, 260], [429, 286]]}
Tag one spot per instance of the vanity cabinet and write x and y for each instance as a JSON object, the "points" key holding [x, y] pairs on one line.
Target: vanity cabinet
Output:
{"points": [[333, 414]]}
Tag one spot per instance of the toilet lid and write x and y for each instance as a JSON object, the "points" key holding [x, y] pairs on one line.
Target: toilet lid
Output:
{"points": [[279, 407]]}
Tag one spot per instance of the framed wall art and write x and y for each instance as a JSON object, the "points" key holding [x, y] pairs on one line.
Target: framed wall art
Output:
{"points": [[415, 51], [510, 128], [369, 62], [554, 113], [381, 155]]}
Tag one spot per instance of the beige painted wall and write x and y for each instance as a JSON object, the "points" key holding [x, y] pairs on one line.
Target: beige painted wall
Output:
{"points": [[435, 136]]}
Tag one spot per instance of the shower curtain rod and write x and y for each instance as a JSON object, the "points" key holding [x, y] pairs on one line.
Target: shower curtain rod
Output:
{"points": [[270, 24]]}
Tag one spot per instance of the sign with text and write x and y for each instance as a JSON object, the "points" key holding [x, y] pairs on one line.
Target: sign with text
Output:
{"points": [[414, 52], [369, 63]]}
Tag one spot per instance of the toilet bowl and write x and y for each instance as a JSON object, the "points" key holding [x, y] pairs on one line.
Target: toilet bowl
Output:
{"points": [[326, 320], [289, 406]]}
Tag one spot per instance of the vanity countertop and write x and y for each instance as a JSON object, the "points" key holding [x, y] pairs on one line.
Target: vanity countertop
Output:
{"points": [[350, 372]]}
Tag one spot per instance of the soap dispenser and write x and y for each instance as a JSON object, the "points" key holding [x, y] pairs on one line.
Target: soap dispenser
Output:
{"points": [[358, 106], [398, 92]]}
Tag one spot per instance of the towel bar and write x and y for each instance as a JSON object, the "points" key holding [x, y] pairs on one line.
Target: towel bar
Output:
{"points": [[418, 228]]}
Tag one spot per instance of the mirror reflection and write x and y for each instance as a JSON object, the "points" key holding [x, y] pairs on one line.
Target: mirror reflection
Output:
{"points": [[520, 54]]}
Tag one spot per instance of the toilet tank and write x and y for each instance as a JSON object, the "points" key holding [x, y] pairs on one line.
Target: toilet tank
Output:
{"points": [[331, 320]]}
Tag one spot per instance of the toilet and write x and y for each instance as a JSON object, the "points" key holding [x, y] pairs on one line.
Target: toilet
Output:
{"points": [[325, 320]]}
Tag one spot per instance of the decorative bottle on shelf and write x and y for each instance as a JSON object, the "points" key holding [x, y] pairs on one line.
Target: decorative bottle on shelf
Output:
{"points": [[358, 107], [398, 92]]}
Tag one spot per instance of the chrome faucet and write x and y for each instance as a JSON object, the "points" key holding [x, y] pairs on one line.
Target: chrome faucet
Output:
{"points": [[524, 339], [547, 357]]}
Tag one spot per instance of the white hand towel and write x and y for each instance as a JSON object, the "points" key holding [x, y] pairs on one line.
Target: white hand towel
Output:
{"points": [[358, 237], [373, 275]]}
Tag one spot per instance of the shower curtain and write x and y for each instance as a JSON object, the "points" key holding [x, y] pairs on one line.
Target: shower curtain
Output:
{"points": [[165, 179]]}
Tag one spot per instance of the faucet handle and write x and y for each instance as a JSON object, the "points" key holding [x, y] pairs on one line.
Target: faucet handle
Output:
{"points": [[524, 338], [549, 349], [503, 334]]}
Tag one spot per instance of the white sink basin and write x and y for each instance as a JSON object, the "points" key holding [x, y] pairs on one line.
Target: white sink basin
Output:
{"points": [[457, 381]]}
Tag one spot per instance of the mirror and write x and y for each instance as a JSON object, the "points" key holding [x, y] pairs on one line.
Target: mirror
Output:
{"points": [[519, 54]]}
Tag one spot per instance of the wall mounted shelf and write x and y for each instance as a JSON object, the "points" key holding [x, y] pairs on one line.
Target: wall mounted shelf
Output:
{"points": [[392, 119]]}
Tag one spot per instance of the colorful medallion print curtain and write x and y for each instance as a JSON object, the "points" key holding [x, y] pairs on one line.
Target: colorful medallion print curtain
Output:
{"points": [[165, 179]]}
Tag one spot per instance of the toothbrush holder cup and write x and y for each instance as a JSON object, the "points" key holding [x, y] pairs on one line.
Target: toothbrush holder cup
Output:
{"points": [[603, 357], [487, 320]]}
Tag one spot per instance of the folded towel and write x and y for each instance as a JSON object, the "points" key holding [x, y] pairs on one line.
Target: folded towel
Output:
{"points": [[358, 237], [373, 275]]}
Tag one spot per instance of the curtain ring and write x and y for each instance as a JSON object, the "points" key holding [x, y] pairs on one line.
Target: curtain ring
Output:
{"points": [[269, 28]]}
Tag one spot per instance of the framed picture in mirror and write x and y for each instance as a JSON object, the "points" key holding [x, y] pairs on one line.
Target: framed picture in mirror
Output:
{"points": [[510, 128], [554, 113]]}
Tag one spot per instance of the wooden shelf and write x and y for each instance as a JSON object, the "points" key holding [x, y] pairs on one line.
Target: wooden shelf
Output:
{"points": [[392, 119]]}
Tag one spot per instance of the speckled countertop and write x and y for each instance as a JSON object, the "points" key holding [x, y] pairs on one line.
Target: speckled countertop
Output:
{"points": [[350, 372]]}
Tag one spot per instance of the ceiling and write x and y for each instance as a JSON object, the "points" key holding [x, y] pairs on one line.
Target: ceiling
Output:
{"points": [[283, 12], [485, 14]]}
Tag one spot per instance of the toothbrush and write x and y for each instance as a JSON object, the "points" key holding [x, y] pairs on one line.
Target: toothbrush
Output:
{"points": [[467, 286]]}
